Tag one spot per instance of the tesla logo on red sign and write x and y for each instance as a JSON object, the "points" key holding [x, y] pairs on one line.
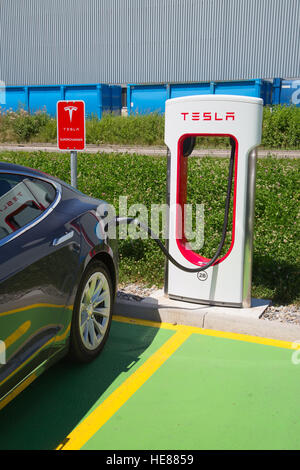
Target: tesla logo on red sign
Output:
{"points": [[208, 116], [70, 109], [71, 125]]}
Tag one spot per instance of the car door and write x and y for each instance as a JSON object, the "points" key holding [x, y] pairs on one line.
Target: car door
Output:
{"points": [[39, 250]]}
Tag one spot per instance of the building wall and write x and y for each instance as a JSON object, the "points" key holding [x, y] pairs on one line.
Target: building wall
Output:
{"points": [[147, 41]]}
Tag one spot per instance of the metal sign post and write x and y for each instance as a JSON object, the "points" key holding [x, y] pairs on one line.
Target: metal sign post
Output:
{"points": [[74, 168], [71, 131]]}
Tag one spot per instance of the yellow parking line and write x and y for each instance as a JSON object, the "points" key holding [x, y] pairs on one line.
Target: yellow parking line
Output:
{"points": [[93, 422], [138, 321], [207, 332], [90, 425]]}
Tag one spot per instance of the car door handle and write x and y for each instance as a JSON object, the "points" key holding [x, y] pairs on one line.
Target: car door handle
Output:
{"points": [[63, 238]]}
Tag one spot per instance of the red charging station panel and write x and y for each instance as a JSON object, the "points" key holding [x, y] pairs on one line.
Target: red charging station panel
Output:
{"points": [[71, 125]]}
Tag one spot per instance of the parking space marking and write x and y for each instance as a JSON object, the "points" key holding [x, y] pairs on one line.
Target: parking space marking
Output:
{"points": [[93, 422], [234, 389], [138, 321], [208, 332], [97, 418]]}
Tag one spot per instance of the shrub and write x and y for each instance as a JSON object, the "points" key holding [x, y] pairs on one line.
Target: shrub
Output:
{"points": [[21, 126], [281, 127]]}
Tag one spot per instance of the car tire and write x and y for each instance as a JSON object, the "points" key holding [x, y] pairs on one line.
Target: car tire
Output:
{"points": [[92, 313]]}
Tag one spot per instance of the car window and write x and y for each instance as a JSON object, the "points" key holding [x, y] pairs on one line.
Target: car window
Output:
{"points": [[22, 199]]}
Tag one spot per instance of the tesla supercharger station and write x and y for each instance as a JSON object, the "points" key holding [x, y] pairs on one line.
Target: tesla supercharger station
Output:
{"points": [[228, 281]]}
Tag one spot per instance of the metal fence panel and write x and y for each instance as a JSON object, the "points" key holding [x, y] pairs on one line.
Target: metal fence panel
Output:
{"points": [[148, 41]]}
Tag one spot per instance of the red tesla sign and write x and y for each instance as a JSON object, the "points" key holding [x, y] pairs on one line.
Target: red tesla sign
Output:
{"points": [[71, 125]]}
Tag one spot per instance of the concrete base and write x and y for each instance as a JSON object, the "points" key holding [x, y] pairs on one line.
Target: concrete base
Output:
{"points": [[160, 308]]}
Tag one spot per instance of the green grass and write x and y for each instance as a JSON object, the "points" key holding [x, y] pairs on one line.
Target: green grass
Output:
{"points": [[130, 130], [143, 180]]}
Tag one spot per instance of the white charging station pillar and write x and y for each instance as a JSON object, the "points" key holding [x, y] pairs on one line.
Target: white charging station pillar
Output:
{"points": [[228, 280]]}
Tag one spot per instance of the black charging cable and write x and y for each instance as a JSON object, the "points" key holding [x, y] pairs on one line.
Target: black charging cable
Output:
{"points": [[154, 236]]}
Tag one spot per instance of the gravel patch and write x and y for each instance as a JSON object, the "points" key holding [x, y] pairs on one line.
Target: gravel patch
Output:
{"points": [[135, 292], [282, 313]]}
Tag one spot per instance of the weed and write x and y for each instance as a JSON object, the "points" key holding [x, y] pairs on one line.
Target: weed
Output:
{"points": [[281, 129]]}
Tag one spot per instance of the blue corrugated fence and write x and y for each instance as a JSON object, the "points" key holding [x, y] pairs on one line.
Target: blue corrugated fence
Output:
{"points": [[145, 99]]}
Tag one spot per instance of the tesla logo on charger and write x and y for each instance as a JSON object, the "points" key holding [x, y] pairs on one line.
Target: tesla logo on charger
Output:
{"points": [[208, 116], [70, 109]]}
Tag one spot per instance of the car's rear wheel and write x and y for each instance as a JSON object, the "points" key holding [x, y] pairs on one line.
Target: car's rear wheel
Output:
{"points": [[92, 313]]}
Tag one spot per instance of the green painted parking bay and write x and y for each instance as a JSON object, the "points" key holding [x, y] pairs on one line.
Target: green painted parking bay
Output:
{"points": [[212, 393], [173, 387], [47, 411]]}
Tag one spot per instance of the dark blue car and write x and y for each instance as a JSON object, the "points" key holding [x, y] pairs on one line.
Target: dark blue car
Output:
{"points": [[58, 275]]}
